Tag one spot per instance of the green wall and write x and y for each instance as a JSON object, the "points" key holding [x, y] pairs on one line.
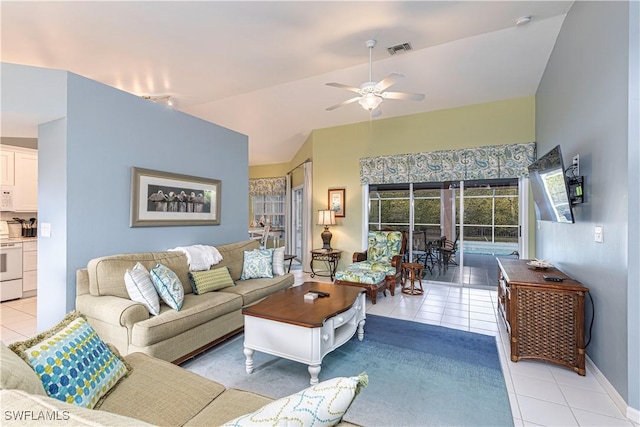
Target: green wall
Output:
{"points": [[336, 153]]}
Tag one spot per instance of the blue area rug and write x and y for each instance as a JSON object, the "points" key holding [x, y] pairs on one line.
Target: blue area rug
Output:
{"points": [[419, 375]]}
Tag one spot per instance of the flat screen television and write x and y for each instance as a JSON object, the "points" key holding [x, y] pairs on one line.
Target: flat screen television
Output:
{"points": [[550, 189]]}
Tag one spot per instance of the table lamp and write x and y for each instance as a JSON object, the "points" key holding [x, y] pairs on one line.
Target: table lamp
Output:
{"points": [[326, 217]]}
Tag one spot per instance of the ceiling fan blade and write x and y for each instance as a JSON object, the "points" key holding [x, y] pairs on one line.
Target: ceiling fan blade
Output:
{"points": [[404, 96], [341, 86], [391, 79], [348, 101]]}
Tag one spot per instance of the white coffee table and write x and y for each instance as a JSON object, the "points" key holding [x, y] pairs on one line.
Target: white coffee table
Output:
{"points": [[288, 326]]}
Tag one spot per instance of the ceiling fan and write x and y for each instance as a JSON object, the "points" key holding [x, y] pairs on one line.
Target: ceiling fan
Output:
{"points": [[371, 94]]}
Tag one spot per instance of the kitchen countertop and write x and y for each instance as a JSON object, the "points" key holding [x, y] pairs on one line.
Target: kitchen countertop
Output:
{"points": [[18, 239]]}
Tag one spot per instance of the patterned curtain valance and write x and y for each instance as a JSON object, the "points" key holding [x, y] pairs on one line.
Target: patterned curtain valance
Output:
{"points": [[267, 186], [489, 162]]}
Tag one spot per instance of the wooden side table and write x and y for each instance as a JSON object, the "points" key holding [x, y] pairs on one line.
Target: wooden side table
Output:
{"points": [[413, 270], [330, 257]]}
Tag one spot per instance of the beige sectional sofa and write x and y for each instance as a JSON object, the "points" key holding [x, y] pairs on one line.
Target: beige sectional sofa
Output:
{"points": [[155, 393], [172, 335]]}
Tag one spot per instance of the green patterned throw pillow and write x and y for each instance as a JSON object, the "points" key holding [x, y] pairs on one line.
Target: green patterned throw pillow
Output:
{"points": [[210, 280], [321, 405], [258, 263], [73, 363]]}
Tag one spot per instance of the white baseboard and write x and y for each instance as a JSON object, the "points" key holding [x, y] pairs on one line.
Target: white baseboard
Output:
{"points": [[631, 413]]}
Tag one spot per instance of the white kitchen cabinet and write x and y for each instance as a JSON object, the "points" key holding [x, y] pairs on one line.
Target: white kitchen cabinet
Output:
{"points": [[29, 268], [6, 167], [26, 181]]}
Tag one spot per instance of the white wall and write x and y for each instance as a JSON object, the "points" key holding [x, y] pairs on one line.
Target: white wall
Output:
{"points": [[582, 104]]}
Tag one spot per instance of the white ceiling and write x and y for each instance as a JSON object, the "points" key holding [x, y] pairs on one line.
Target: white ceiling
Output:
{"points": [[261, 68]]}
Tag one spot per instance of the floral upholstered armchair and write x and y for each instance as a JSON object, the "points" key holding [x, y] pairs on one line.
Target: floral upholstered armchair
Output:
{"points": [[379, 265]]}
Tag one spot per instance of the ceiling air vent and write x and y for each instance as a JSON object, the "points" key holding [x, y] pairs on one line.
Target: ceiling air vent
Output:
{"points": [[402, 47]]}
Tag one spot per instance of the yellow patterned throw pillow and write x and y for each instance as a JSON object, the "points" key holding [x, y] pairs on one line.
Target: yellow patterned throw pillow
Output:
{"points": [[72, 362], [321, 405], [210, 280]]}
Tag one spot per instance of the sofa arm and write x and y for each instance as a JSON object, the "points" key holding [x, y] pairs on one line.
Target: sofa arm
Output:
{"points": [[112, 310], [359, 256]]}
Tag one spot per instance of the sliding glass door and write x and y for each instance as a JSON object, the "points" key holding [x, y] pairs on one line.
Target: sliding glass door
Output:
{"points": [[456, 229], [490, 227]]}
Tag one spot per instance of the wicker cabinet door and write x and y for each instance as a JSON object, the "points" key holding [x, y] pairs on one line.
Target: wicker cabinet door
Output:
{"points": [[550, 326]]}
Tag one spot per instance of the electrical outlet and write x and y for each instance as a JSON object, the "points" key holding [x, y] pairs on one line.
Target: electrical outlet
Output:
{"points": [[45, 229], [576, 165]]}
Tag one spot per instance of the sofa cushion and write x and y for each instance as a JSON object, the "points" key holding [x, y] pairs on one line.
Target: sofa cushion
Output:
{"points": [[257, 264], [196, 310], [160, 392], [255, 289], [106, 273], [168, 285], [72, 362], [320, 405], [210, 280], [229, 405], [233, 256], [141, 289], [15, 373]]}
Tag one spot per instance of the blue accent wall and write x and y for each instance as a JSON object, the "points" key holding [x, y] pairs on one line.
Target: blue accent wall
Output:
{"points": [[583, 104], [109, 131]]}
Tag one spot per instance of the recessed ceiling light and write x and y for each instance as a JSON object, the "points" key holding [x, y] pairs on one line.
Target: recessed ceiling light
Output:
{"points": [[524, 20]]}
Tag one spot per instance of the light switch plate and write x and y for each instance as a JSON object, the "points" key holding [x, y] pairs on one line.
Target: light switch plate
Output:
{"points": [[45, 229], [599, 235]]}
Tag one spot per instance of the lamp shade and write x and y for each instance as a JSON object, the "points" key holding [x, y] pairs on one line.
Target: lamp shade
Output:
{"points": [[326, 217]]}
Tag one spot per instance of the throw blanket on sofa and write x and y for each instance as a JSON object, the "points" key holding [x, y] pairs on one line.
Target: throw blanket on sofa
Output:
{"points": [[200, 257]]}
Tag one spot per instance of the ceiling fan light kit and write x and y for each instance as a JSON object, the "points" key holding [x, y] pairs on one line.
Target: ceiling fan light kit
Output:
{"points": [[370, 101], [371, 94]]}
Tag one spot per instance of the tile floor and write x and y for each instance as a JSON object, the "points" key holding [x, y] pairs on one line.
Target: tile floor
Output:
{"points": [[541, 394]]}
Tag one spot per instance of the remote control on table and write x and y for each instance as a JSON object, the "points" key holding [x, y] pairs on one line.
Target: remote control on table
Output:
{"points": [[552, 278], [320, 293]]}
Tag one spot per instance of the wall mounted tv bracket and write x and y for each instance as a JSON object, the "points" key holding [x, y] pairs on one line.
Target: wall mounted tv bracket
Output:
{"points": [[576, 186]]}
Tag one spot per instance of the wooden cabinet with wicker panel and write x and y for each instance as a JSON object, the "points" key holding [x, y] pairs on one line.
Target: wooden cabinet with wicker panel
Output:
{"points": [[545, 319]]}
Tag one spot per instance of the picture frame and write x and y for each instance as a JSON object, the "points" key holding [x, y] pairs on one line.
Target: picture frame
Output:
{"points": [[337, 201], [170, 199]]}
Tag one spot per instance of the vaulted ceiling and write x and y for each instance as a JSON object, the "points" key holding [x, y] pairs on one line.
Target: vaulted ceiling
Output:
{"points": [[261, 68]]}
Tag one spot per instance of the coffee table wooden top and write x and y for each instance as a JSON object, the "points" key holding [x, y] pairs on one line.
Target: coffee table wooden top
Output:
{"points": [[289, 305]]}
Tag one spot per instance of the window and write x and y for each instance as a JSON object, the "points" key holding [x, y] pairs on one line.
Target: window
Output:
{"points": [[270, 208], [390, 208]]}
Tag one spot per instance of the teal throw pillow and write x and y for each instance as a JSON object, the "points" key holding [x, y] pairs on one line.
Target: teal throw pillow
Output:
{"points": [[257, 263], [210, 280], [168, 285], [73, 363]]}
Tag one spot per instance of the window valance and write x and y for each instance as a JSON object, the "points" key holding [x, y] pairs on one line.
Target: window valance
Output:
{"points": [[488, 162], [267, 186]]}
